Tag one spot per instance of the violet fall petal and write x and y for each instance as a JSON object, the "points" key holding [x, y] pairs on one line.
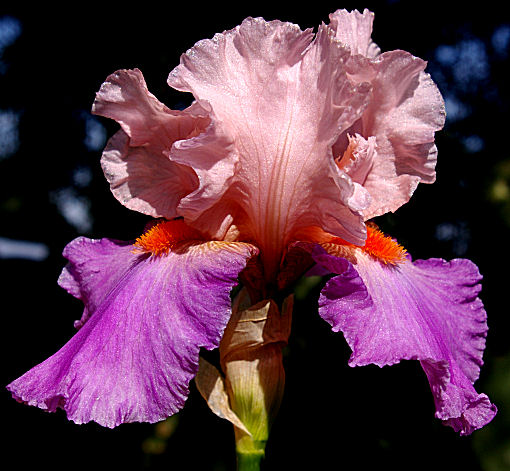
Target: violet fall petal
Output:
{"points": [[94, 269], [426, 310], [133, 358]]}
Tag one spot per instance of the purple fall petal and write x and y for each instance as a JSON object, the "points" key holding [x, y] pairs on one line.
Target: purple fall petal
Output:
{"points": [[133, 358], [94, 268], [427, 311]]}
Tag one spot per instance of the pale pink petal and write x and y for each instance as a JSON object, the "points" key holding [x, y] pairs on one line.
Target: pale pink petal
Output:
{"points": [[406, 150], [161, 156], [125, 98], [354, 29], [405, 111], [358, 159], [212, 156], [284, 97], [144, 180]]}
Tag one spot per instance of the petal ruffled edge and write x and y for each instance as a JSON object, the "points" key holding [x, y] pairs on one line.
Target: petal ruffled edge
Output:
{"points": [[354, 29], [429, 311], [405, 112], [94, 267], [135, 355], [285, 96], [163, 162]]}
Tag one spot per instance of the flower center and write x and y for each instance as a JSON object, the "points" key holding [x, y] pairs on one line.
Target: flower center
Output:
{"points": [[166, 236], [348, 155]]}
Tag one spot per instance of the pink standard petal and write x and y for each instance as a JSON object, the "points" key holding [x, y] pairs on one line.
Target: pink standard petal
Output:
{"points": [[354, 29], [284, 96], [124, 97], [212, 156], [405, 111], [134, 357], [145, 180], [161, 156], [359, 158], [427, 311]]}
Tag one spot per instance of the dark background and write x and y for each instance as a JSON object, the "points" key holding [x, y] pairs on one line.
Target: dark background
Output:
{"points": [[52, 61]]}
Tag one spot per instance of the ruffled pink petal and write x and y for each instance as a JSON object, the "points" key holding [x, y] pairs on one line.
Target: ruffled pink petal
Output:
{"points": [[284, 96], [357, 161], [133, 358], [144, 180], [124, 97], [427, 311], [354, 29], [161, 156], [405, 111], [213, 158]]}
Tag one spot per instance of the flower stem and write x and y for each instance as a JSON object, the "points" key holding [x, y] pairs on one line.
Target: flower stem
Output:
{"points": [[249, 453], [249, 462], [251, 360]]}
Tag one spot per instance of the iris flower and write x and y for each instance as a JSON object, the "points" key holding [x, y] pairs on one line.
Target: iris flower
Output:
{"points": [[293, 142]]}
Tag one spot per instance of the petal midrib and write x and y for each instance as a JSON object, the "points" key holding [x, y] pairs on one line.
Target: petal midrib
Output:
{"points": [[275, 203]]}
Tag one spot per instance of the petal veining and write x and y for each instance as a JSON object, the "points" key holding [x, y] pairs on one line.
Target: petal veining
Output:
{"points": [[284, 96]]}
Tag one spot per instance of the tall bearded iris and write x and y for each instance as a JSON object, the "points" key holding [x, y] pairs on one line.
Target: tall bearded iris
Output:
{"points": [[294, 141]]}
